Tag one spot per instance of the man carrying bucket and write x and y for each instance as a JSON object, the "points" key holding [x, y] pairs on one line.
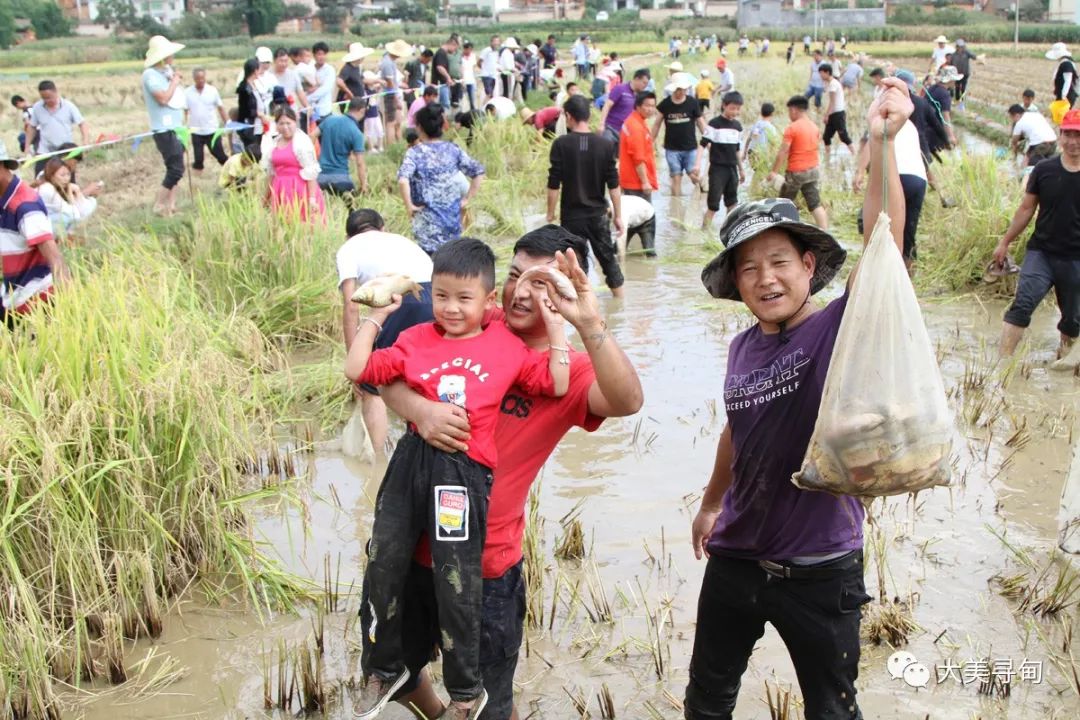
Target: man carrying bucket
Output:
{"points": [[777, 553]]}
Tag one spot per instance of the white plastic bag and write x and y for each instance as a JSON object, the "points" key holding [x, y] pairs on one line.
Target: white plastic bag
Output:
{"points": [[1069, 515], [355, 440], [884, 426]]}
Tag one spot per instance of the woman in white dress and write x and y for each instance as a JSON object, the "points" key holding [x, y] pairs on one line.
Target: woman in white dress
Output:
{"points": [[64, 200]]}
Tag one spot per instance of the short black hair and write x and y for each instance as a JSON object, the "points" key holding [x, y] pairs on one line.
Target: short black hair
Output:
{"points": [[733, 97], [641, 97], [767, 110], [466, 257], [798, 101], [551, 37], [427, 53], [877, 72], [363, 220], [320, 47], [467, 45], [46, 85], [411, 136], [16, 99], [1016, 109], [430, 119], [545, 241], [570, 85], [430, 91], [295, 51], [826, 67], [578, 107], [357, 104], [642, 73], [280, 52], [71, 146], [1029, 93], [817, 52]]}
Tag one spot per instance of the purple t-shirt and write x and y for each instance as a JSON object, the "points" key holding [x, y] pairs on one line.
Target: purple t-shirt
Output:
{"points": [[772, 394], [622, 104]]}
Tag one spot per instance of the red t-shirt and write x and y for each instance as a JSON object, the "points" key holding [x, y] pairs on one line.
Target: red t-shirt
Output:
{"points": [[474, 373], [529, 428], [636, 147], [546, 116]]}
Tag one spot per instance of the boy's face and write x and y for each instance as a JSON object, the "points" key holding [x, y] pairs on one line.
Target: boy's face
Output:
{"points": [[1027, 101], [459, 303], [731, 111]]}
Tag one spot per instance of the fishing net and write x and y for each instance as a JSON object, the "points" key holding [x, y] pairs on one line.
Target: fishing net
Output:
{"points": [[884, 426]]}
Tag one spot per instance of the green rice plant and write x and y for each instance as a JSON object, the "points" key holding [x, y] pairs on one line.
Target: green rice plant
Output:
{"points": [[128, 411], [956, 244]]}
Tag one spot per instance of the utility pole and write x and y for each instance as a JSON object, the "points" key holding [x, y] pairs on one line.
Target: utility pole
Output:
{"points": [[1016, 27], [817, 9]]}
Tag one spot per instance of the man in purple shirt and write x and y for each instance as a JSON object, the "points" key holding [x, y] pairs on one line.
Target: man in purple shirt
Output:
{"points": [[776, 553], [619, 105]]}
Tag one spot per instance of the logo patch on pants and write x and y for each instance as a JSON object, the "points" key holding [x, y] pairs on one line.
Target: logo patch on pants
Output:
{"points": [[451, 513]]}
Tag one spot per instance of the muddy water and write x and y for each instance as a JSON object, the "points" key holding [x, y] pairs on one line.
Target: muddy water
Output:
{"points": [[637, 480]]}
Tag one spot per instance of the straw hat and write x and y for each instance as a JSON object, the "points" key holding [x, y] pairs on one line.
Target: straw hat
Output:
{"points": [[357, 52], [676, 66], [941, 39], [399, 48], [6, 160], [705, 72], [1057, 51], [160, 48], [526, 115], [264, 54], [511, 43]]}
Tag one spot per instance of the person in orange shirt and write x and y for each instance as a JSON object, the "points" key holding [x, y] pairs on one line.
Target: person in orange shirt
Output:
{"points": [[798, 158], [637, 159]]}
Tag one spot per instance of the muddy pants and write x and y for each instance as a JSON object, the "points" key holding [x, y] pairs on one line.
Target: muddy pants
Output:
{"points": [[1038, 274], [445, 496], [597, 230], [646, 232], [816, 616]]}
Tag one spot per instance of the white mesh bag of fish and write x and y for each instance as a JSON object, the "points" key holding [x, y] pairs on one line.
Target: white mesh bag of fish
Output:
{"points": [[884, 426]]}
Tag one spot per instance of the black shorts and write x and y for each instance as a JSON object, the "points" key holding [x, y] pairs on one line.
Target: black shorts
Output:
{"points": [[723, 183], [502, 629], [412, 312], [704, 104], [836, 124]]}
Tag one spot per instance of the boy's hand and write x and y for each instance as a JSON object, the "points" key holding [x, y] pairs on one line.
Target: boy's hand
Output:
{"points": [[380, 315]]}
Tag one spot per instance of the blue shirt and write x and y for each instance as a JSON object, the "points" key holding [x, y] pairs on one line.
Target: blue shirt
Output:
{"points": [[162, 117], [340, 136]]}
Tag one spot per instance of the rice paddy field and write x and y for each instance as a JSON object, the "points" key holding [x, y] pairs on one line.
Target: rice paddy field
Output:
{"points": [[181, 537]]}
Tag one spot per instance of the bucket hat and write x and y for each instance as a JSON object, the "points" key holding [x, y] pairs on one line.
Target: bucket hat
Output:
{"points": [[749, 220], [941, 39], [680, 81], [526, 115], [1057, 51], [160, 48], [676, 66], [357, 51], [511, 43], [6, 160], [399, 48]]}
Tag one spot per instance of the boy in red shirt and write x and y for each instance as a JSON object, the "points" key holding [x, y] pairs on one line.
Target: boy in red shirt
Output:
{"points": [[458, 360]]}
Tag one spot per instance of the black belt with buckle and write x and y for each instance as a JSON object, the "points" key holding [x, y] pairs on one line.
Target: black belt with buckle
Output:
{"points": [[830, 568]]}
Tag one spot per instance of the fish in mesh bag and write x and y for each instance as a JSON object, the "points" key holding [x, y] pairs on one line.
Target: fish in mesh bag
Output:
{"points": [[884, 426]]}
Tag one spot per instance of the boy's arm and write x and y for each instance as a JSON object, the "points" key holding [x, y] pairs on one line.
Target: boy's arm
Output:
{"points": [[360, 351], [781, 160]]}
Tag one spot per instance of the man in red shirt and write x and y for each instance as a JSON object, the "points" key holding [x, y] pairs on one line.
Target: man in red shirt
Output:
{"points": [[637, 159], [603, 384], [543, 120], [32, 260]]}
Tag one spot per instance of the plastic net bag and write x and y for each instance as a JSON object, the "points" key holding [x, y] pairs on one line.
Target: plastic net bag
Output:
{"points": [[884, 426]]}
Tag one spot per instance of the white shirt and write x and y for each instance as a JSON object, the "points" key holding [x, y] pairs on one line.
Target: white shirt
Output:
{"points": [[727, 81], [908, 154], [504, 107], [939, 56], [202, 109], [1034, 128], [373, 253], [489, 62], [834, 88], [635, 211], [468, 69], [506, 61]]}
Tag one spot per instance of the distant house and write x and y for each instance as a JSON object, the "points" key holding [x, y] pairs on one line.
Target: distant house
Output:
{"points": [[1065, 11]]}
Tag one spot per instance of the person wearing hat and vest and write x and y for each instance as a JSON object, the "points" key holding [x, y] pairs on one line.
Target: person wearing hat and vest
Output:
{"points": [[940, 54], [1052, 257], [776, 553], [161, 87], [33, 262], [1066, 80]]}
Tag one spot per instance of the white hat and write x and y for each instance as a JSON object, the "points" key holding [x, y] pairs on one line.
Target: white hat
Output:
{"points": [[941, 39], [357, 51], [6, 160], [159, 49], [677, 66], [511, 43], [705, 72], [532, 48], [1057, 51], [264, 54], [681, 81], [399, 48]]}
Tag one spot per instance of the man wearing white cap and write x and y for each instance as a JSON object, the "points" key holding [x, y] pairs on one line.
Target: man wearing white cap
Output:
{"points": [[1065, 78], [682, 119], [161, 85], [937, 58]]}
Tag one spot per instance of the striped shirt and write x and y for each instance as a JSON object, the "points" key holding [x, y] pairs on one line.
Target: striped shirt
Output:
{"points": [[24, 226]]}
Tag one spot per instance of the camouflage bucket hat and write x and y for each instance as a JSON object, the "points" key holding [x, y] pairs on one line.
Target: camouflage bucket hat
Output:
{"points": [[749, 220]]}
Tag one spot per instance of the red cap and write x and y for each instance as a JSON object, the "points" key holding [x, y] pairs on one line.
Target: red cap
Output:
{"points": [[1071, 121], [721, 64]]}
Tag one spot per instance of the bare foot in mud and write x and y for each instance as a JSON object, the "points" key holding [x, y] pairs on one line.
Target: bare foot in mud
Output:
{"points": [[1068, 362]]}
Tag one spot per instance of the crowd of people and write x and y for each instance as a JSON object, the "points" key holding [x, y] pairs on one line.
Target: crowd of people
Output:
{"points": [[445, 560]]}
